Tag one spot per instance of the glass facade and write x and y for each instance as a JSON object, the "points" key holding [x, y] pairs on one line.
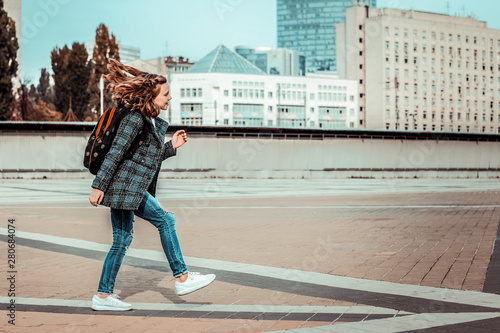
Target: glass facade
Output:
{"points": [[309, 26]]}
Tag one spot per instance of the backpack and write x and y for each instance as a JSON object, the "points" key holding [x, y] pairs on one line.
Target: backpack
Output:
{"points": [[103, 135]]}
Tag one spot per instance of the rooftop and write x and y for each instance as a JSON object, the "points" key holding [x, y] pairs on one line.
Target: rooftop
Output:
{"points": [[223, 60]]}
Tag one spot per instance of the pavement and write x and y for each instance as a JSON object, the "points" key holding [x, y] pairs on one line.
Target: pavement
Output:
{"points": [[350, 255]]}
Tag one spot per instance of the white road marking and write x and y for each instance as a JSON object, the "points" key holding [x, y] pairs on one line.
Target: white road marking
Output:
{"points": [[399, 324], [437, 294], [259, 308]]}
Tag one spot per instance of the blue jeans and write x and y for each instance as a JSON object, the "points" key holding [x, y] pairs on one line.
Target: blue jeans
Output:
{"points": [[122, 222]]}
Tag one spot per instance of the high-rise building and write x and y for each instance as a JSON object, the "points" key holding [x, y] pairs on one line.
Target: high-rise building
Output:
{"points": [[421, 71], [13, 9], [275, 61], [309, 26]]}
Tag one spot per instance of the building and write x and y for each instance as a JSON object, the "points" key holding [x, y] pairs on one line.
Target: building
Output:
{"points": [[309, 27], [169, 65], [275, 61], [127, 53], [144, 66], [225, 89], [13, 9], [421, 71]]}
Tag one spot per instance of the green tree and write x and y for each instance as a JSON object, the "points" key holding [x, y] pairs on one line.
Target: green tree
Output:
{"points": [[8, 62], [71, 70], [105, 47]]}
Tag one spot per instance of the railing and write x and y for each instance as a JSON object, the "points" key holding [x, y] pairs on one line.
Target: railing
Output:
{"points": [[263, 132]]}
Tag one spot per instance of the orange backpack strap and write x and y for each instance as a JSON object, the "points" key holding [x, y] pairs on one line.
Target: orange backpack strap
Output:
{"points": [[100, 123], [109, 118]]}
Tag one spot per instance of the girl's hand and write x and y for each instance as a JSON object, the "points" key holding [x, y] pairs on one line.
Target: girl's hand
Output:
{"points": [[179, 138], [96, 197]]}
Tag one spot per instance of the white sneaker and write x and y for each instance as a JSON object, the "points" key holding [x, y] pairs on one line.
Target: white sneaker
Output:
{"points": [[110, 303], [194, 282]]}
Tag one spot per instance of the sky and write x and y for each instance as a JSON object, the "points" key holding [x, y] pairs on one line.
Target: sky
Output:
{"points": [[189, 28]]}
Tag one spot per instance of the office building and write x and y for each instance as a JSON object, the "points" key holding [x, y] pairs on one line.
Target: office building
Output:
{"points": [[421, 71], [275, 61], [309, 27]]}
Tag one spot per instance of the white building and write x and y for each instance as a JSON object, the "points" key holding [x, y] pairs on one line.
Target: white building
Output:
{"points": [[224, 89], [421, 71]]}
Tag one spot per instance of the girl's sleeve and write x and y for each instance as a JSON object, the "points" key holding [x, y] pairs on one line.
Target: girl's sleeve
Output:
{"points": [[168, 150]]}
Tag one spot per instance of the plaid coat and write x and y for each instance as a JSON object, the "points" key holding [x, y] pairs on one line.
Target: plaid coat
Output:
{"points": [[124, 182]]}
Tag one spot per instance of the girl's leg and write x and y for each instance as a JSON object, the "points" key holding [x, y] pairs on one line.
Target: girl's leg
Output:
{"points": [[122, 222], [164, 221]]}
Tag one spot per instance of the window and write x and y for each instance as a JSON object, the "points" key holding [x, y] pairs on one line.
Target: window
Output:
{"points": [[226, 93], [183, 91], [270, 108], [226, 107]]}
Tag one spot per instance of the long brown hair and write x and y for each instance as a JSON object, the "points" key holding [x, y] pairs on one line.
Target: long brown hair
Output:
{"points": [[134, 88]]}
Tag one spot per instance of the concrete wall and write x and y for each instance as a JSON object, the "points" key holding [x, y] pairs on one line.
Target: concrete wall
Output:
{"points": [[60, 154]]}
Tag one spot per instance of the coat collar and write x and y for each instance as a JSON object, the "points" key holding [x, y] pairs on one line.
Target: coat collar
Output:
{"points": [[159, 129]]}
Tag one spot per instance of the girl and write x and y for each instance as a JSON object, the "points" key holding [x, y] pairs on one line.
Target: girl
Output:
{"points": [[128, 185]]}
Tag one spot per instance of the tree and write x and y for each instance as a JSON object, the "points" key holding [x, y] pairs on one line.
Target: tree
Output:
{"points": [[8, 62], [79, 75], [104, 48], [71, 70], [43, 88], [47, 114], [26, 101], [59, 58]]}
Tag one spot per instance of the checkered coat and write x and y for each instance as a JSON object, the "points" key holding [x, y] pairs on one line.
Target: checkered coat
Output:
{"points": [[124, 182]]}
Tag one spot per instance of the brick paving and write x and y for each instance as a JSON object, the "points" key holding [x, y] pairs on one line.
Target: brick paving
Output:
{"points": [[438, 239]]}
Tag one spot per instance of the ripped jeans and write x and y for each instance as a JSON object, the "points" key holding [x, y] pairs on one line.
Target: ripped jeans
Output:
{"points": [[122, 222]]}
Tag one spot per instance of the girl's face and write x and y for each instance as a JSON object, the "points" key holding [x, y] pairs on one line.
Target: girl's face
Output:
{"points": [[163, 97]]}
